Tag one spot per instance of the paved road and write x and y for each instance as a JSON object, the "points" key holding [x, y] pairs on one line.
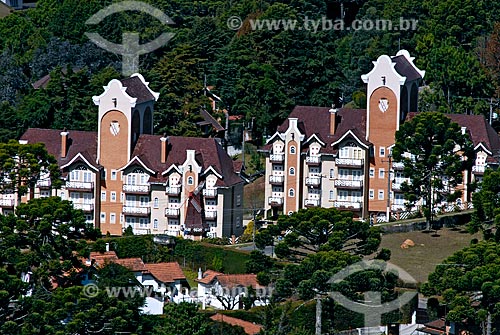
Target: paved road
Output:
{"points": [[268, 250]]}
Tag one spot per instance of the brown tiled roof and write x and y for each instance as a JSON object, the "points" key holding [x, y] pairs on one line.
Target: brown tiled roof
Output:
{"points": [[137, 89], [249, 327], [209, 119], [237, 166], [208, 153], [405, 69], [208, 276], [244, 280], [84, 142], [133, 264], [194, 218], [316, 120], [101, 258], [166, 272], [479, 129]]}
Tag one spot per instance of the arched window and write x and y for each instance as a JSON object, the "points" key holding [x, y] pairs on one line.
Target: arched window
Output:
{"points": [[291, 172], [156, 203], [292, 149], [155, 224], [331, 194], [190, 180], [291, 192]]}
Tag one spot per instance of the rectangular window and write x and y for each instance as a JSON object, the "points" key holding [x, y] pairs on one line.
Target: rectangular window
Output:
{"points": [[87, 198], [358, 153], [131, 180], [122, 196], [380, 194], [372, 172], [344, 152], [372, 194], [74, 175], [144, 201], [130, 200], [112, 218], [113, 174], [381, 173], [331, 195], [332, 173], [103, 196], [155, 224], [238, 200], [87, 176], [113, 196], [103, 217], [342, 195], [381, 152], [103, 174], [122, 218]]}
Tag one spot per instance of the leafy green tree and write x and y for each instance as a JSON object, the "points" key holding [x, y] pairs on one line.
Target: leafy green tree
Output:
{"points": [[322, 229], [469, 284], [486, 216], [434, 153], [22, 165]]}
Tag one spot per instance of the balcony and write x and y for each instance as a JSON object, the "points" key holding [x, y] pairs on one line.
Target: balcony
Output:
{"points": [[172, 212], [396, 186], [398, 207], [275, 201], [312, 202], [44, 184], [313, 181], [210, 193], [210, 215], [139, 189], [173, 190], [136, 211], [276, 180], [6, 203], [348, 184], [398, 166], [84, 207], [79, 186], [478, 169], [349, 162], [277, 158], [349, 205], [313, 160]]}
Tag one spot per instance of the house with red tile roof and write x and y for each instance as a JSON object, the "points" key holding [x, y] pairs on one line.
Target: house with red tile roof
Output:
{"points": [[328, 157], [249, 327], [226, 291], [124, 176], [163, 282]]}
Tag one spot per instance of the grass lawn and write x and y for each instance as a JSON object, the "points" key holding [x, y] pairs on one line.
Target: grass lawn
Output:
{"points": [[429, 249], [254, 194]]}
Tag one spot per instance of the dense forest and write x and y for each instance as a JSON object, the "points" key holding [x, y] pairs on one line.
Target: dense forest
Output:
{"points": [[260, 74]]}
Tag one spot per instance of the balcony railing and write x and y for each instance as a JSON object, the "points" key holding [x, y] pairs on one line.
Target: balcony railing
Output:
{"points": [[79, 185], [277, 158], [349, 162], [173, 190], [276, 180], [136, 211], [275, 201], [347, 204], [313, 181], [210, 192], [46, 183], [128, 188], [84, 207], [312, 202], [313, 160], [6, 202], [396, 186], [398, 207], [346, 183], [210, 215], [398, 166], [478, 169], [172, 212]]}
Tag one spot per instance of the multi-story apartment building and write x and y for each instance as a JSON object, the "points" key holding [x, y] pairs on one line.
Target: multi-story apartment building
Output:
{"points": [[125, 176], [341, 157]]}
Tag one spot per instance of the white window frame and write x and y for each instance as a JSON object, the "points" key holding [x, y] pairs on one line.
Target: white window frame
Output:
{"points": [[112, 218], [291, 193], [103, 217], [381, 173], [114, 174], [372, 173], [371, 194], [103, 195], [381, 152], [112, 196], [381, 195]]}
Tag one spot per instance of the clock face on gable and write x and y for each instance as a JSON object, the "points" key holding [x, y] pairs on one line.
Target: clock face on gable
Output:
{"points": [[383, 105], [114, 128]]}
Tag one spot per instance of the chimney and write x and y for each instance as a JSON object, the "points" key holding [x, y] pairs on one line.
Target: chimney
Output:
{"points": [[107, 247], [333, 115], [64, 143], [164, 143], [200, 274]]}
